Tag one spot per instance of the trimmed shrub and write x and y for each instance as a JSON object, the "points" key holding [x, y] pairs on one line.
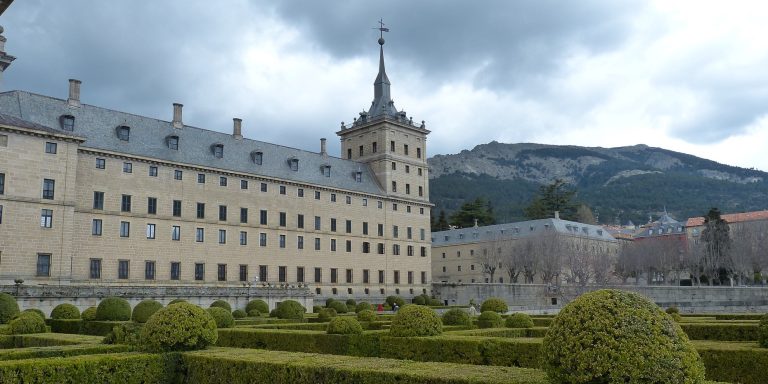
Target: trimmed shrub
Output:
{"points": [[239, 314], [316, 308], [435, 302], [390, 300], [494, 304], [366, 315], [8, 308], [362, 306], [415, 320], [125, 333], [222, 317], [221, 304], [339, 307], [328, 302], [612, 336], [456, 316], [326, 314], [65, 311], [273, 313], [418, 300], [254, 313], [89, 314], [143, 310], [676, 317], [519, 320], [179, 327], [762, 331], [672, 310], [345, 326], [27, 323], [351, 303], [73, 326], [113, 309], [176, 301], [35, 311], [489, 319], [289, 309], [259, 305]]}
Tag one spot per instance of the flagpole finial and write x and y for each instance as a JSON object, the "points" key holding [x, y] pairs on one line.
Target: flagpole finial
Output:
{"points": [[381, 29]]}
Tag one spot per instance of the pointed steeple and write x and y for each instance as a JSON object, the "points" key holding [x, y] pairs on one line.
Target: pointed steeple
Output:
{"points": [[382, 98]]}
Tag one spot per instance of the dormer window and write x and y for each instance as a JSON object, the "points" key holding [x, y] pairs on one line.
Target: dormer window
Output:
{"points": [[326, 169], [359, 177], [124, 132], [172, 142], [218, 150], [67, 122], [257, 157], [294, 164]]}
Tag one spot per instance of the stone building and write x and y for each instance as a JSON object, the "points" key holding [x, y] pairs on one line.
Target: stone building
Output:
{"points": [[94, 196]]}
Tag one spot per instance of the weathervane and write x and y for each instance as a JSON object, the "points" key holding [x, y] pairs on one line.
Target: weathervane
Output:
{"points": [[381, 29]]}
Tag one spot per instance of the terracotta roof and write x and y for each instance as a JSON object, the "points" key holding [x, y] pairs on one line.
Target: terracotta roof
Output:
{"points": [[731, 218]]}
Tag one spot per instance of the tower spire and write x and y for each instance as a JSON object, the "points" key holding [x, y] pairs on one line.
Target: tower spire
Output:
{"points": [[382, 99]]}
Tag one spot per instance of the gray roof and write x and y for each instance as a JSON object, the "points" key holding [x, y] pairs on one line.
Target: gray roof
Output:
{"points": [[520, 229], [148, 139], [16, 122]]}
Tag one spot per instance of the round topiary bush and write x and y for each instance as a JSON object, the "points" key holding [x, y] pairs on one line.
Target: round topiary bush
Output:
{"points": [[351, 303], [362, 306], [179, 327], [328, 302], [339, 307], [254, 313], [519, 320], [35, 311], [8, 308], [316, 308], [258, 305], [366, 315], [289, 309], [26, 323], [176, 301], [143, 310], [762, 331], [390, 300], [456, 316], [419, 300], [672, 310], [239, 314], [222, 317], [415, 320], [345, 326], [613, 336], [113, 309], [494, 304], [221, 304], [65, 311], [326, 314], [434, 302], [89, 314], [489, 319]]}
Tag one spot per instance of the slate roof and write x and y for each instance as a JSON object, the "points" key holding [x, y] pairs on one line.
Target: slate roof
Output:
{"points": [[520, 229], [731, 218], [9, 120], [148, 139]]}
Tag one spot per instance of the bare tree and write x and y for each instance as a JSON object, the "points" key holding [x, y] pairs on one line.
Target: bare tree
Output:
{"points": [[578, 259], [603, 262], [490, 258], [630, 261], [747, 254], [510, 258], [548, 249]]}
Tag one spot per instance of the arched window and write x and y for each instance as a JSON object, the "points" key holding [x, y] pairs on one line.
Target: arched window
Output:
{"points": [[124, 132]]}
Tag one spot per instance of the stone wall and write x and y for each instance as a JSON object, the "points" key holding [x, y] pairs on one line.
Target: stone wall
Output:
{"points": [[46, 298], [539, 298]]}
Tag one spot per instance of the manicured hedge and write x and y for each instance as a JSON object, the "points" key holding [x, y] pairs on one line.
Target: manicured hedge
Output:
{"points": [[521, 352], [46, 340], [60, 351], [295, 326], [66, 325], [722, 332], [734, 362], [738, 316], [99, 328], [365, 344]]}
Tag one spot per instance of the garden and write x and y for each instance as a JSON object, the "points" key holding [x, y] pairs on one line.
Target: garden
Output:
{"points": [[606, 336]]}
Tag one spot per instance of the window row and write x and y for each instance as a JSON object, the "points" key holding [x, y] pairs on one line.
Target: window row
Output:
{"points": [[407, 189], [392, 149]]}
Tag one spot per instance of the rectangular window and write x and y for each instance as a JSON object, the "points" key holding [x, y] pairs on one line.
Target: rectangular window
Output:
{"points": [[333, 245], [422, 234], [395, 249], [243, 184], [334, 276], [418, 153], [381, 229], [175, 270], [243, 215], [149, 270], [300, 242], [349, 199], [95, 270], [394, 186], [101, 163], [128, 168], [50, 147], [222, 236], [317, 243], [222, 181], [1, 214], [349, 153], [176, 233], [317, 195], [177, 174], [2, 183], [410, 277], [243, 238], [152, 170], [349, 276], [281, 241], [299, 274], [380, 248], [222, 213], [407, 189], [423, 251], [48, 188], [392, 146], [348, 246], [150, 231], [263, 217], [333, 224], [263, 187], [366, 247], [151, 205], [366, 276], [199, 271], [300, 221], [125, 229], [300, 192], [96, 227], [365, 227], [405, 149], [177, 208], [222, 272], [318, 275], [348, 226], [46, 218], [423, 277], [282, 189], [122, 269], [317, 223], [409, 233], [125, 203], [199, 235], [394, 166], [374, 147], [200, 210], [365, 202], [262, 239], [263, 273], [396, 277], [360, 151], [243, 272], [282, 219], [201, 178], [381, 277], [98, 200], [394, 206], [43, 264], [409, 250], [394, 231], [333, 197], [421, 191], [281, 274]]}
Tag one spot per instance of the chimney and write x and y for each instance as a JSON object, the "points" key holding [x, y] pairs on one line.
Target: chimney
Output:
{"points": [[557, 215], [177, 123], [323, 151], [237, 132], [74, 93]]}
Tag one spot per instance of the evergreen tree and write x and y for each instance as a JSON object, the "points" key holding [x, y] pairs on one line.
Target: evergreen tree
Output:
{"points": [[557, 196], [479, 209], [442, 223], [716, 259]]}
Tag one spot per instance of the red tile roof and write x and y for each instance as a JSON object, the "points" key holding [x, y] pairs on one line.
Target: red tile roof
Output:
{"points": [[731, 218]]}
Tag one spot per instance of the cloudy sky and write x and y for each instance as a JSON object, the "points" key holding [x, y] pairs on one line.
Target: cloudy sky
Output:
{"points": [[683, 75]]}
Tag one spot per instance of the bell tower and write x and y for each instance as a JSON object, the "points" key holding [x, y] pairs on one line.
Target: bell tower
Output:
{"points": [[389, 141]]}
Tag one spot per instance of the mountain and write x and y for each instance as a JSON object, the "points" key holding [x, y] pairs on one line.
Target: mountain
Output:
{"points": [[620, 184]]}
